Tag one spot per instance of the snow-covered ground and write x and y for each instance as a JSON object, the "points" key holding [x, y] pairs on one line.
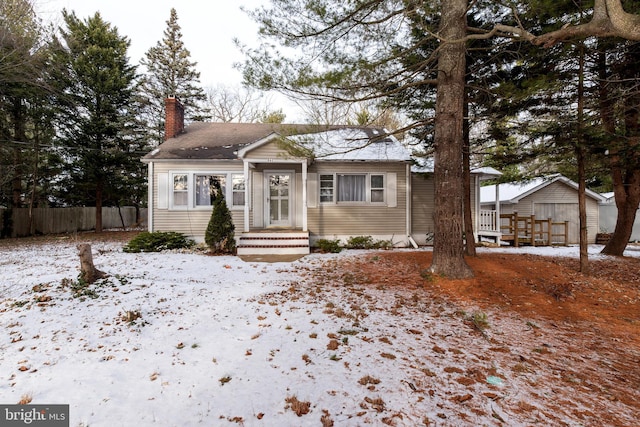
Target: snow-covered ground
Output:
{"points": [[222, 342]]}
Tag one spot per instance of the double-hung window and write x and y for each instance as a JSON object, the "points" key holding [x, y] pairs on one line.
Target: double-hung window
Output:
{"points": [[238, 190], [197, 190], [326, 188], [377, 188], [352, 188], [180, 190]]}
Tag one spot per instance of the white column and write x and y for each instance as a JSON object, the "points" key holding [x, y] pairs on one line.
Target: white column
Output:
{"points": [[304, 195], [247, 196], [498, 220]]}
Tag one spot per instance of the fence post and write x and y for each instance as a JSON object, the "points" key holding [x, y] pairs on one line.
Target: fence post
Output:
{"points": [[514, 222], [533, 230]]}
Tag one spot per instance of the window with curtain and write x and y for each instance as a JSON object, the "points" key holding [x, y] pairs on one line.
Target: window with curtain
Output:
{"points": [[352, 188]]}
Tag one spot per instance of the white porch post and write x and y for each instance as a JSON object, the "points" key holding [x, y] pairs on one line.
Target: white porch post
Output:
{"points": [[247, 196], [498, 220], [476, 219], [304, 195]]}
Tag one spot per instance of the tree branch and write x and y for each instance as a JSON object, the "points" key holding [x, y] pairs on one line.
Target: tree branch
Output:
{"points": [[609, 20]]}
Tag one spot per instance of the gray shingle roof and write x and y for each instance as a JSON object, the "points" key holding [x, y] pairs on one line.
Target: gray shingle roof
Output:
{"points": [[221, 141]]}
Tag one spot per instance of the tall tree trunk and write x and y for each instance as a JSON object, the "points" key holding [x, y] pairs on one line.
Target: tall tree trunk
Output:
{"points": [[624, 159], [448, 246], [470, 240], [19, 134], [582, 188], [582, 210]]}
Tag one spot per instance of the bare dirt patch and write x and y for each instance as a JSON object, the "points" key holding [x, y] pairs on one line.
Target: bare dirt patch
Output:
{"points": [[576, 360]]}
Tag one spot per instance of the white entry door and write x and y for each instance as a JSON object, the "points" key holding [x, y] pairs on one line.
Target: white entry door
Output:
{"points": [[279, 197]]}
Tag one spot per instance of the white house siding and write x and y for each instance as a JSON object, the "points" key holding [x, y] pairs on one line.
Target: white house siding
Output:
{"points": [[191, 222], [270, 150], [331, 221]]}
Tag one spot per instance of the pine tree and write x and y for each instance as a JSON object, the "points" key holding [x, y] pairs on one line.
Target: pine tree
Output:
{"points": [[220, 230], [24, 119], [170, 72], [96, 112]]}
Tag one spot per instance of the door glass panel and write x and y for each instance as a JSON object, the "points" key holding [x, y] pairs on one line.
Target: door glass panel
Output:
{"points": [[279, 199]]}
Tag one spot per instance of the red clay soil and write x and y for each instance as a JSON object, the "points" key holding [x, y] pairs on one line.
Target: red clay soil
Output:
{"points": [[594, 319], [534, 286]]}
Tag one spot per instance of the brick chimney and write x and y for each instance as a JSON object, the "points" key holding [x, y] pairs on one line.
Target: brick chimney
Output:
{"points": [[174, 120]]}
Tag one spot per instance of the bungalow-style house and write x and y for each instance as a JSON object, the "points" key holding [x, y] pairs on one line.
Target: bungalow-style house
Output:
{"points": [[553, 198], [289, 185]]}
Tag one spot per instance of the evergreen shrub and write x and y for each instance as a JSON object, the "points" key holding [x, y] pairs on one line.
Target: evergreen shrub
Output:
{"points": [[158, 241]]}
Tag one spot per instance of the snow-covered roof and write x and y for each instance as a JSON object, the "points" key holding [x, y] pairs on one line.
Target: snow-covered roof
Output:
{"points": [[608, 197], [352, 144], [513, 192], [427, 166]]}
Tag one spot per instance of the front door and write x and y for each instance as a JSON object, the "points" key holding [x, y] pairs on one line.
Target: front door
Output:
{"points": [[278, 210]]}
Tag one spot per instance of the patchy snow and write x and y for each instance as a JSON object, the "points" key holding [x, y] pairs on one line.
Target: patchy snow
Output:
{"points": [[224, 342], [354, 144]]}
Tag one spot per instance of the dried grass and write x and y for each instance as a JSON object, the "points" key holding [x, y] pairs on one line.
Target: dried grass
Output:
{"points": [[298, 407]]}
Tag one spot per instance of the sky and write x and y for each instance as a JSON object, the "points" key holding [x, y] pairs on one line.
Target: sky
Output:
{"points": [[208, 30], [186, 339]]}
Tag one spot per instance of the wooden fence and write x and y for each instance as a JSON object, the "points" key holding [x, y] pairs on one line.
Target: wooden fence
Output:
{"points": [[520, 230], [67, 220]]}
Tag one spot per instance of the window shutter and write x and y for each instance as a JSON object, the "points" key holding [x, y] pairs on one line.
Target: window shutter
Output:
{"points": [[312, 190], [163, 191], [258, 199], [392, 190]]}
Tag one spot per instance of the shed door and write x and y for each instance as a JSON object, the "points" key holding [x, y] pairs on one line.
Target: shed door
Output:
{"points": [[560, 212]]}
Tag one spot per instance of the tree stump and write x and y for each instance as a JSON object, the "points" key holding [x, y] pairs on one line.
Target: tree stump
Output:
{"points": [[88, 272]]}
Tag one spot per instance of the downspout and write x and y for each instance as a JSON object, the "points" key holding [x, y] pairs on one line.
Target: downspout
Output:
{"points": [[409, 207], [150, 198], [476, 225]]}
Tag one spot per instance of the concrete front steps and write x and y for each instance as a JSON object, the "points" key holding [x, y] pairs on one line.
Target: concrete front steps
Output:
{"points": [[279, 242]]}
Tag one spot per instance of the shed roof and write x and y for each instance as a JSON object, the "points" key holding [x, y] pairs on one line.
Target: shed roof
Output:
{"points": [[513, 192], [426, 165]]}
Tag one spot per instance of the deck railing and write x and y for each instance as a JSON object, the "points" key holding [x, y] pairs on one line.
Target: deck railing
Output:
{"points": [[536, 232], [488, 220]]}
